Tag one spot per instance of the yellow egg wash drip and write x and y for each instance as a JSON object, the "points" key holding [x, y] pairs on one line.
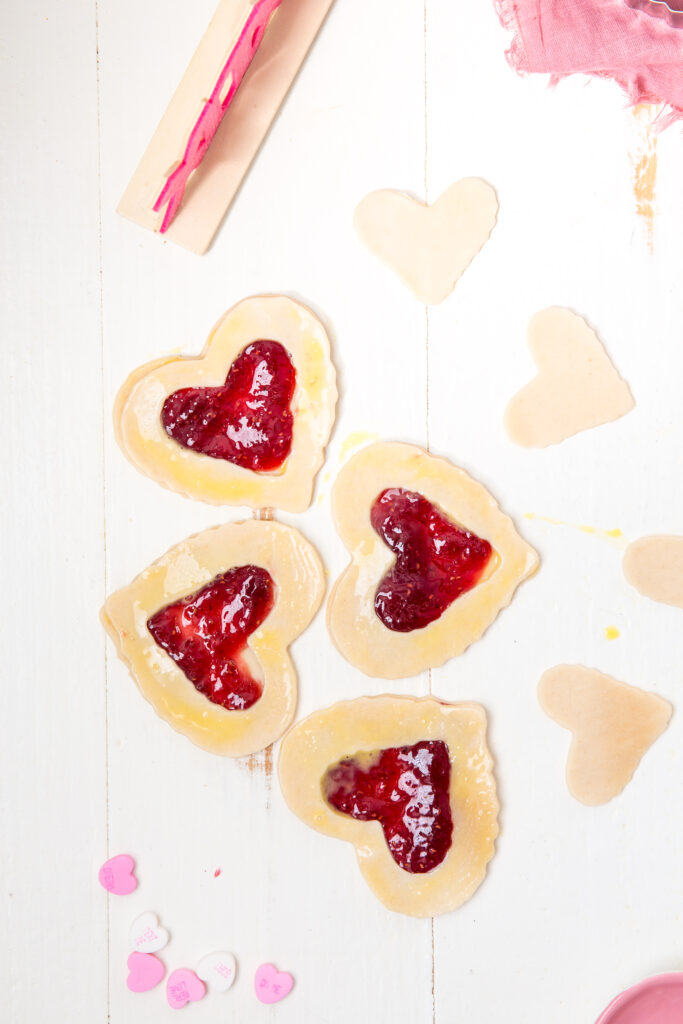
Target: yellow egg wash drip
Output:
{"points": [[614, 536], [611, 633], [643, 156]]}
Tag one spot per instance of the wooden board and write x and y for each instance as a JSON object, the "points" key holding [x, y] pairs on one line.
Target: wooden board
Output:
{"points": [[579, 903], [213, 185]]}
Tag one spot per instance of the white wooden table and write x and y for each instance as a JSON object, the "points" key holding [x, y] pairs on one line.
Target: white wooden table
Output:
{"points": [[579, 903]]}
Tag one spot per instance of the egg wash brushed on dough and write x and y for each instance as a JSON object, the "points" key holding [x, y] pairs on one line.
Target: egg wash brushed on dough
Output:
{"points": [[614, 536]]}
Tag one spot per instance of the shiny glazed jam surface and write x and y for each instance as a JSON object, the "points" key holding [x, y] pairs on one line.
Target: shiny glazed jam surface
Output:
{"points": [[206, 633], [247, 420], [436, 561], [406, 789]]}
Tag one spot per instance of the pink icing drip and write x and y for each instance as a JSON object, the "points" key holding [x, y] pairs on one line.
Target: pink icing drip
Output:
{"points": [[214, 109]]}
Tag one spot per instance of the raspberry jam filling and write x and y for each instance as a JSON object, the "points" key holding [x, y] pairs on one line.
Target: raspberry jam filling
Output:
{"points": [[247, 420], [406, 789], [436, 561], [206, 633]]}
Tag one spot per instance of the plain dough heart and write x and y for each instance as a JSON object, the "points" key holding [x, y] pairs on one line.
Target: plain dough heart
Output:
{"points": [[577, 386], [654, 566], [429, 247], [613, 725]]}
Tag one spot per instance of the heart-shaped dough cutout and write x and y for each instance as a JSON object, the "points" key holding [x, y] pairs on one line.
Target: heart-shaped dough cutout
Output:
{"points": [[431, 868], [654, 566], [429, 247], [372, 643], [612, 724], [230, 398], [147, 935], [577, 386], [187, 632]]}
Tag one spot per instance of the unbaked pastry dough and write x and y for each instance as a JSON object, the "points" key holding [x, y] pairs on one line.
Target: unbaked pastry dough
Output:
{"points": [[654, 566], [429, 247], [577, 386], [374, 723], [612, 724], [142, 438], [298, 577], [351, 619]]}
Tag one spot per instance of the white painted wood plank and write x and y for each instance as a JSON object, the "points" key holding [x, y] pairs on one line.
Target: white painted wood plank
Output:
{"points": [[580, 902], [284, 894], [52, 703]]}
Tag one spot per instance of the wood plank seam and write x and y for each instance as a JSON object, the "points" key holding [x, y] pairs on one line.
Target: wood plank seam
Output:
{"points": [[427, 433], [105, 653]]}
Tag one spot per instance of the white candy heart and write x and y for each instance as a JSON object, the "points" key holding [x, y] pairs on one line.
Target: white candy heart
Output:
{"points": [[147, 935], [218, 970]]}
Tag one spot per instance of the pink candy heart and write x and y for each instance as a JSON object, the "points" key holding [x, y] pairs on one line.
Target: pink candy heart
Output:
{"points": [[117, 875], [183, 986], [146, 971], [272, 985]]}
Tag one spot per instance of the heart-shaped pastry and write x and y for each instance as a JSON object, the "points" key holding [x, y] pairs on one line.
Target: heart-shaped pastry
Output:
{"points": [[145, 971], [245, 423], [433, 561], [410, 784], [217, 970], [147, 935], [183, 987], [612, 724], [429, 247], [117, 875], [205, 632], [577, 386], [272, 985], [654, 566]]}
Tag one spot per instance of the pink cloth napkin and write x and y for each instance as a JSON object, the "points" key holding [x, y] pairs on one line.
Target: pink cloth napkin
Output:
{"points": [[598, 37]]}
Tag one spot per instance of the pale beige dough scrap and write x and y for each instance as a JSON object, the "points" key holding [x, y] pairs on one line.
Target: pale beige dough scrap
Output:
{"points": [[141, 436], [654, 566], [376, 723], [429, 247], [298, 576], [355, 629], [577, 386], [612, 724]]}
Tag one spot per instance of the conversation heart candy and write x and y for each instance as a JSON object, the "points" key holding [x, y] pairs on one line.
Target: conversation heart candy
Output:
{"points": [[146, 971], [272, 985], [183, 986], [147, 935], [217, 970], [117, 875]]}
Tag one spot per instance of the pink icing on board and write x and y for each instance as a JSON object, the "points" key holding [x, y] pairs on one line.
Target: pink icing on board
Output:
{"points": [[201, 136], [657, 1000]]}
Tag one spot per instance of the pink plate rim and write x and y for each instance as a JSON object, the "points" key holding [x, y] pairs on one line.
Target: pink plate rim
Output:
{"points": [[622, 1000]]}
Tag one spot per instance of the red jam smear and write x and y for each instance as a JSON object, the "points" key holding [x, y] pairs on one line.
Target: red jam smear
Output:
{"points": [[206, 633], [436, 561], [247, 420], [406, 789]]}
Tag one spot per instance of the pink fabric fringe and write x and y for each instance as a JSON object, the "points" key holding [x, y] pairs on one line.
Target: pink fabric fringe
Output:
{"points": [[605, 38]]}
